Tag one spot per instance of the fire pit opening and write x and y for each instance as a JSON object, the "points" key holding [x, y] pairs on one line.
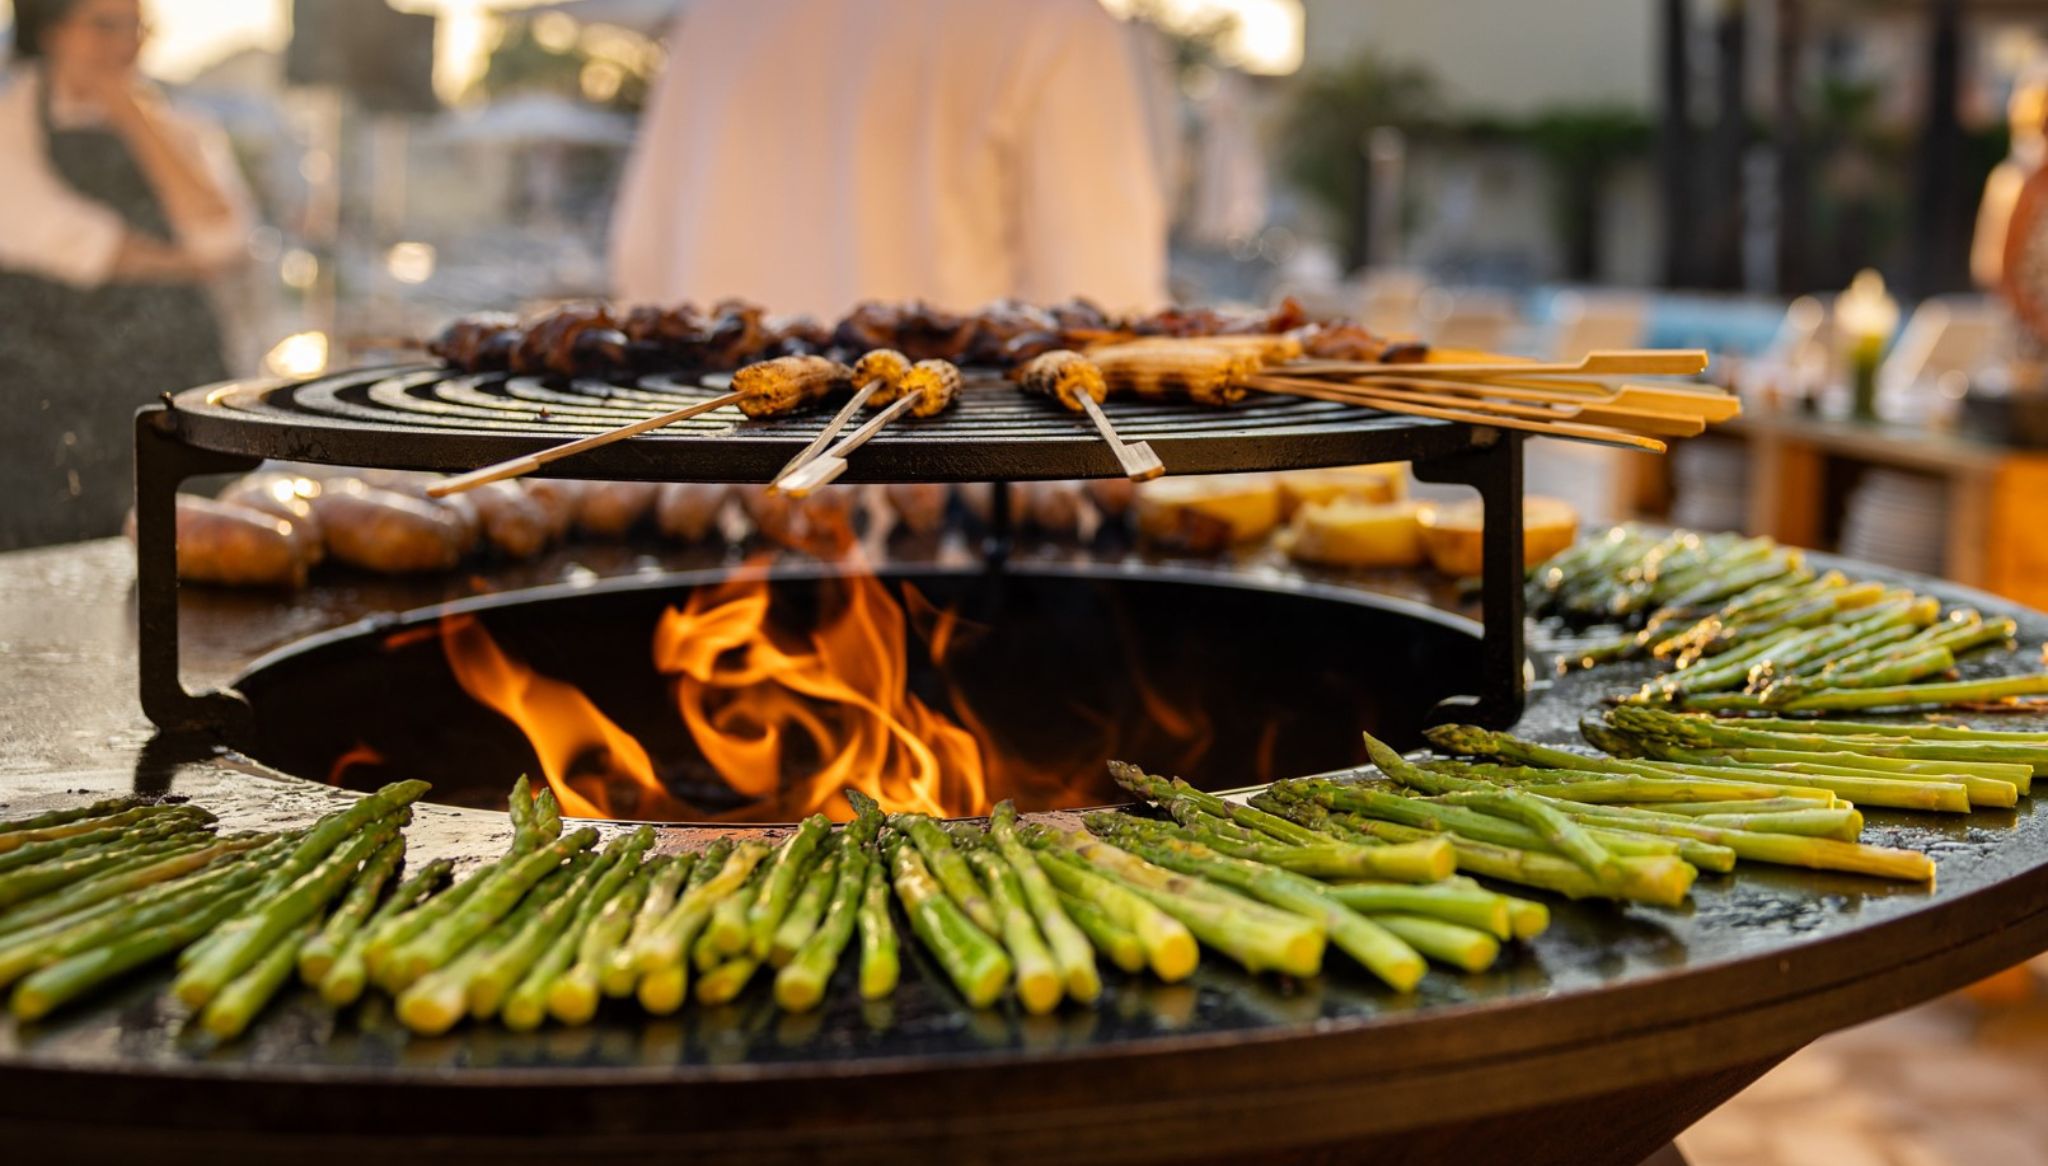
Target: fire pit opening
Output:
{"points": [[756, 696]]}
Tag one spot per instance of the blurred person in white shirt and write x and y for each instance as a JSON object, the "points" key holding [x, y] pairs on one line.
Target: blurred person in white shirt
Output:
{"points": [[811, 154], [115, 212]]}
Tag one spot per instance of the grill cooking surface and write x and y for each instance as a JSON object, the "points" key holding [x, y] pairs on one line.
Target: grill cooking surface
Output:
{"points": [[426, 418]]}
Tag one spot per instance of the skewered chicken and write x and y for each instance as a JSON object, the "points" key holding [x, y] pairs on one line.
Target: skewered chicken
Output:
{"points": [[788, 382]]}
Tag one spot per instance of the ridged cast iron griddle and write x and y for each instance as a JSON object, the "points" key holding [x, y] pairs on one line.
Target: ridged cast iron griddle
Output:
{"points": [[428, 418]]}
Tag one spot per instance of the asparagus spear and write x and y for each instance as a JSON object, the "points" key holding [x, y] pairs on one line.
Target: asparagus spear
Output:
{"points": [[21, 886], [1472, 907], [1661, 882], [527, 1006], [435, 1002], [800, 984], [1465, 948], [101, 809], [127, 878], [103, 923], [572, 998], [1977, 790], [1166, 792], [1624, 789], [1393, 961], [1698, 732], [229, 1014], [728, 933], [1918, 730], [506, 967], [1797, 850], [787, 871], [1259, 937], [880, 963], [316, 956], [337, 828], [619, 975], [1038, 981], [950, 869], [973, 960], [1168, 943], [1900, 795], [807, 910], [1104, 934], [343, 983], [245, 939], [724, 983], [445, 940], [664, 977], [399, 928], [101, 827], [1071, 950], [53, 986]]}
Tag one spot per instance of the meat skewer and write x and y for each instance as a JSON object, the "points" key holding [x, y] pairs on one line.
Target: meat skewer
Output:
{"points": [[928, 389], [772, 387], [1076, 383]]}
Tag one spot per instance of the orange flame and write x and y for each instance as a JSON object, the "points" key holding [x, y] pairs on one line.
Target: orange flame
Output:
{"points": [[790, 711], [360, 754]]}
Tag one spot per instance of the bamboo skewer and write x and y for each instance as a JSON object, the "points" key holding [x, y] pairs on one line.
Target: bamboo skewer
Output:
{"points": [[1619, 411], [1139, 462], [1712, 405], [825, 436], [1682, 362], [515, 467], [1474, 414], [826, 467]]}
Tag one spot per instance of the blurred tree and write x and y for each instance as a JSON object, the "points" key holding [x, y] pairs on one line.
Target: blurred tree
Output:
{"points": [[551, 53], [1331, 114], [1583, 148]]}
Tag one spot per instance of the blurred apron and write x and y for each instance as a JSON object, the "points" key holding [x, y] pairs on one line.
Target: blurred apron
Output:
{"points": [[76, 363]]}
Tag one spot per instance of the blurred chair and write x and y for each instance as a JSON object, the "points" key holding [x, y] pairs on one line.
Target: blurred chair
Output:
{"points": [[1587, 323], [1480, 320]]}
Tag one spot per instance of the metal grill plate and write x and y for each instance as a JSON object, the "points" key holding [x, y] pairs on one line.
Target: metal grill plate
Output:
{"points": [[422, 417]]}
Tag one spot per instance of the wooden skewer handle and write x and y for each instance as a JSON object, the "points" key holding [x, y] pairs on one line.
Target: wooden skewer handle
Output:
{"points": [[1139, 463], [1395, 404], [827, 466], [825, 436], [514, 467]]}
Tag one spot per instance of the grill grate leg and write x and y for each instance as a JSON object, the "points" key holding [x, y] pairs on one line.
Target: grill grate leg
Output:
{"points": [[162, 461], [1494, 468]]}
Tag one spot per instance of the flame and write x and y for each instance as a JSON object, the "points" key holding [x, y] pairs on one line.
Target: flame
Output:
{"points": [[791, 708], [360, 754]]}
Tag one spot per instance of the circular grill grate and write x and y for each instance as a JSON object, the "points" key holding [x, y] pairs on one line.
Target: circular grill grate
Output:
{"points": [[426, 418]]}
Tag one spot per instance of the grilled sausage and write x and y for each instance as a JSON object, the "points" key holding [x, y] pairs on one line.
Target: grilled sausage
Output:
{"points": [[386, 531]]}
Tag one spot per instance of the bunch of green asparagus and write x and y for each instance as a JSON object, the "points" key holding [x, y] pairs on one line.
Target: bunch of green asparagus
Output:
{"points": [[1748, 627]]}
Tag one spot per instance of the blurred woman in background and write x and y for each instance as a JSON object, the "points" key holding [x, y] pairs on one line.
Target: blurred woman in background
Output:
{"points": [[115, 212]]}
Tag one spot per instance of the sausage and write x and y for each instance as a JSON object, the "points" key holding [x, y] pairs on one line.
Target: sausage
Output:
{"points": [[414, 483], [515, 525], [1112, 496], [236, 546], [1053, 507], [560, 499], [613, 509], [920, 506], [287, 496], [386, 531], [687, 511]]}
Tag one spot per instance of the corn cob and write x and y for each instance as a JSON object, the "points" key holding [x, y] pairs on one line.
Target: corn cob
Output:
{"points": [[1064, 376], [883, 364], [788, 383], [936, 383], [1203, 373]]}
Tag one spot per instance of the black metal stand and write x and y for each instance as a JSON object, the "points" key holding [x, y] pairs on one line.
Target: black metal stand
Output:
{"points": [[1494, 468], [162, 461]]}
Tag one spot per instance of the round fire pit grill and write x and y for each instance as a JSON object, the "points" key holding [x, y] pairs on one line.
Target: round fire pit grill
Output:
{"points": [[1598, 1043], [425, 418]]}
